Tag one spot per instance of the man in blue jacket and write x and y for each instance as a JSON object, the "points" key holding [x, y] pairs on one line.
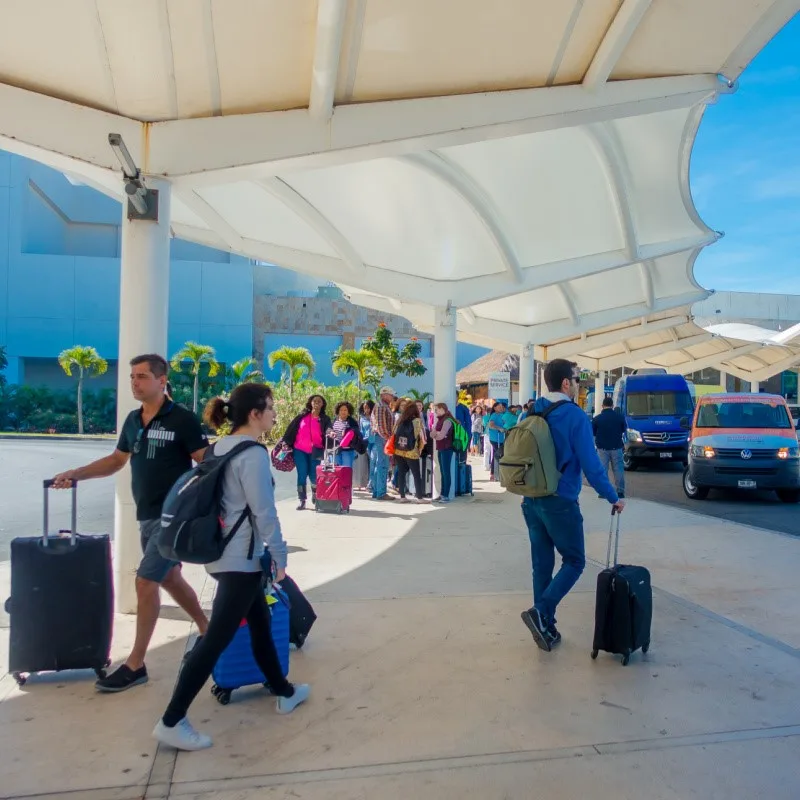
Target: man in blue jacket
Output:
{"points": [[609, 427], [555, 521]]}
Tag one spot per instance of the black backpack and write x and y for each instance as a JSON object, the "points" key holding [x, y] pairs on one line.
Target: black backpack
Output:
{"points": [[191, 516], [405, 437]]}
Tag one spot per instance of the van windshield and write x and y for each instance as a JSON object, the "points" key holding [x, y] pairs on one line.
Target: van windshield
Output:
{"points": [[742, 415], [655, 404]]}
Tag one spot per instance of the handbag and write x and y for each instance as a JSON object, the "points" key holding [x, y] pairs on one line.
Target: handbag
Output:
{"points": [[282, 457], [388, 448]]}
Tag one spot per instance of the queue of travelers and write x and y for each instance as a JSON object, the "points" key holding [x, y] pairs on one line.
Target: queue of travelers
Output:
{"points": [[161, 439]]}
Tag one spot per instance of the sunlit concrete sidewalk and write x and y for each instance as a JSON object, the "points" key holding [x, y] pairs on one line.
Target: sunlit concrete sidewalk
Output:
{"points": [[425, 683]]}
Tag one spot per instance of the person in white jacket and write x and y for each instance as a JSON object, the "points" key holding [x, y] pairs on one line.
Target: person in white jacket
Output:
{"points": [[246, 484]]}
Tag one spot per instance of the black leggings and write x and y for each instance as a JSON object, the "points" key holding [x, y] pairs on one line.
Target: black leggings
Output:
{"points": [[239, 595], [404, 466]]}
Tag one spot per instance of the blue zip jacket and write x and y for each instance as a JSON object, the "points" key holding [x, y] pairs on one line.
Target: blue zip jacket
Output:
{"points": [[575, 452]]}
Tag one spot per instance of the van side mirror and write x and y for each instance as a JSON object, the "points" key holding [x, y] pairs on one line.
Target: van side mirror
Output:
{"points": [[685, 424]]}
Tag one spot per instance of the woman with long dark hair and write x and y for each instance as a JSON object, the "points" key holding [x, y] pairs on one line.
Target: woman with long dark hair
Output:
{"points": [[248, 500], [442, 434], [305, 435], [346, 435], [409, 441], [363, 460]]}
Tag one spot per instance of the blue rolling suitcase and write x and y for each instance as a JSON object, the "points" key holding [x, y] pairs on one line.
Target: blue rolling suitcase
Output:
{"points": [[463, 479], [236, 667]]}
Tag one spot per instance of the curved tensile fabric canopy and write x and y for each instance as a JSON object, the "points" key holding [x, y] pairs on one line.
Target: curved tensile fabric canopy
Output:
{"points": [[536, 177]]}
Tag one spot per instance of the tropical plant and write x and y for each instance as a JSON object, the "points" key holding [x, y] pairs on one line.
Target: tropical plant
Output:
{"points": [[3, 365], [396, 361], [88, 362], [422, 397], [195, 356], [357, 363], [295, 362], [242, 371]]}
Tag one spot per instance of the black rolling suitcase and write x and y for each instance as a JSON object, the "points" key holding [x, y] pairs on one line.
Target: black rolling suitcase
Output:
{"points": [[62, 600], [624, 607], [301, 612]]}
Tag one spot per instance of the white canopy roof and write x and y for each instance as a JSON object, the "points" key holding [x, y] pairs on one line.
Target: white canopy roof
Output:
{"points": [[536, 176]]}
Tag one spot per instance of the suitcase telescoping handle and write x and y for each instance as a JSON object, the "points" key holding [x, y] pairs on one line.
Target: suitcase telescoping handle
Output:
{"points": [[48, 484], [613, 534]]}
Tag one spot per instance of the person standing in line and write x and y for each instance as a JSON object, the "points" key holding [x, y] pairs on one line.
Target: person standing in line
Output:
{"points": [[409, 443], [248, 494], [442, 434], [363, 460], [382, 426], [305, 436], [554, 521], [160, 439], [497, 437], [464, 419], [477, 431], [609, 427], [344, 431]]}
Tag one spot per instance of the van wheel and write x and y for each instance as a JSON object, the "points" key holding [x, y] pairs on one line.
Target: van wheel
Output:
{"points": [[629, 463], [788, 495], [691, 490]]}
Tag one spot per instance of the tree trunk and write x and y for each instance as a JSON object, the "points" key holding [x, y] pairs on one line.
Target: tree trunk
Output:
{"points": [[196, 390], [80, 401], [291, 382]]}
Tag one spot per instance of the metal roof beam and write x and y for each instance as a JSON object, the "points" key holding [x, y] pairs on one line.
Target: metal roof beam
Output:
{"points": [[239, 147], [778, 367], [714, 360], [642, 354], [198, 206], [327, 53]]}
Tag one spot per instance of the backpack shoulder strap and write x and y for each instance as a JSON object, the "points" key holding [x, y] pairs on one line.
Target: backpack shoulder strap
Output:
{"points": [[552, 407]]}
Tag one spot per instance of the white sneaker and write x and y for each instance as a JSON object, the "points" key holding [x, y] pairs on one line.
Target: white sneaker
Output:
{"points": [[182, 737], [286, 705]]}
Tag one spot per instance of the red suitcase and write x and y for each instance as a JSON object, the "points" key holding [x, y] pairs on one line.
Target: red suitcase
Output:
{"points": [[334, 486]]}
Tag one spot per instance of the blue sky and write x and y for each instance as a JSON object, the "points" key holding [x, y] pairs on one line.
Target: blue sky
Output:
{"points": [[745, 175]]}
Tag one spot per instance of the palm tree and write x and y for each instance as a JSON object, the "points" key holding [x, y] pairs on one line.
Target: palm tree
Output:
{"points": [[3, 364], [88, 362], [357, 363], [295, 360], [422, 397], [243, 371], [197, 355]]}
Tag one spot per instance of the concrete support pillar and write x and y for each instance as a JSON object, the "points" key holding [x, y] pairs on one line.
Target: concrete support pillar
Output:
{"points": [[599, 392], [723, 380], [754, 387], [525, 374], [144, 298], [444, 362]]}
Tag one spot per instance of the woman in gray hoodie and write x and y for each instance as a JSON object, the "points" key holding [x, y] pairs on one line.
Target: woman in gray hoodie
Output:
{"points": [[246, 484]]}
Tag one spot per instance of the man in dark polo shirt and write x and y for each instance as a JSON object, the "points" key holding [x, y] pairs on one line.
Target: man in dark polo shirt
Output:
{"points": [[160, 439]]}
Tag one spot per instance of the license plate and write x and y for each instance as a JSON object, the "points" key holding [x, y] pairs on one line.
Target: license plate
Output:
{"points": [[665, 455], [747, 484]]}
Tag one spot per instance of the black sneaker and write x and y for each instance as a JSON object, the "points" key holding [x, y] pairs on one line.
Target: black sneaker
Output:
{"points": [[536, 625], [554, 635], [121, 679]]}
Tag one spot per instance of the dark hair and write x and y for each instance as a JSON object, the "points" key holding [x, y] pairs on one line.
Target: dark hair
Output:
{"points": [[324, 404], [396, 408], [556, 372], [446, 409], [236, 409], [608, 402], [409, 412], [157, 364], [494, 406], [342, 404], [369, 405]]}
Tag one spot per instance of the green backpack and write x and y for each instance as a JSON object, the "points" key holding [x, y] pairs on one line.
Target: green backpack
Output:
{"points": [[460, 437], [528, 466]]}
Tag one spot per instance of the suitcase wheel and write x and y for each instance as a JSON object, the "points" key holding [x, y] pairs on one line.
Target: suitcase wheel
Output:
{"points": [[594, 654], [223, 695], [20, 678]]}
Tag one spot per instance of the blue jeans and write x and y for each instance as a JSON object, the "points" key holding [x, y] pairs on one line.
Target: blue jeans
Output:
{"points": [[446, 466], [306, 466], [345, 458], [554, 523], [614, 457], [379, 468]]}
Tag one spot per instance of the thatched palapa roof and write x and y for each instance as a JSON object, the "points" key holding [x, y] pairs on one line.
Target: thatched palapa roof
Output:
{"points": [[496, 361]]}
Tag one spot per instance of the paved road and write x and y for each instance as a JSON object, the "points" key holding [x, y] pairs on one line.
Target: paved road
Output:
{"points": [[662, 484], [23, 466]]}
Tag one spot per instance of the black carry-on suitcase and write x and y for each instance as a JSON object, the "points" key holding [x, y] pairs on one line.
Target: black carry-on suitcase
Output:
{"points": [[301, 612], [62, 600], [624, 607]]}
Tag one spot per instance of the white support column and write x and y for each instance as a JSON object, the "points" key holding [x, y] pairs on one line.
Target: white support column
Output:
{"points": [[525, 374], [444, 361], [144, 296], [599, 392], [723, 380], [755, 387]]}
